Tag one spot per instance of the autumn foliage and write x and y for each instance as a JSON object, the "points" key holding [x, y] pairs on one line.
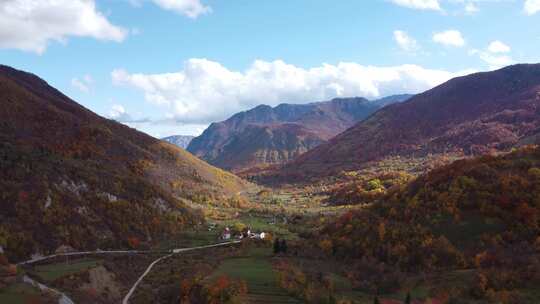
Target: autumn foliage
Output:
{"points": [[133, 242], [69, 176], [365, 189], [482, 213]]}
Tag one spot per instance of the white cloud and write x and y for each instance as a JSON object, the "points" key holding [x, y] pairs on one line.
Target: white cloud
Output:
{"points": [[189, 8], [84, 84], [120, 114], [405, 42], [531, 7], [156, 127], [205, 91], [498, 47], [471, 8], [492, 55], [496, 61], [29, 25], [449, 38], [117, 112], [419, 4]]}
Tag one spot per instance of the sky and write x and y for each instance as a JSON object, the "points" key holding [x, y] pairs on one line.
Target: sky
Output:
{"points": [[171, 67]]}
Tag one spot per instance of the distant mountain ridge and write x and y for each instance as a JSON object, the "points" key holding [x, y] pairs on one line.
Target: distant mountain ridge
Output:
{"points": [[181, 141], [268, 135], [71, 177], [474, 114]]}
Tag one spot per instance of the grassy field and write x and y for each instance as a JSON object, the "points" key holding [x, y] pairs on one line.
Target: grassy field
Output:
{"points": [[256, 270], [19, 293], [190, 238], [51, 272]]}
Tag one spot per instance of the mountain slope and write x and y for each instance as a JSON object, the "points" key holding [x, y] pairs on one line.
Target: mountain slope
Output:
{"points": [[266, 135], [473, 114], [181, 141], [481, 214], [71, 177]]}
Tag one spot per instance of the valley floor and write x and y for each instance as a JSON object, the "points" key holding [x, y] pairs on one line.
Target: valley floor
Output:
{"points": [[248, 272]]}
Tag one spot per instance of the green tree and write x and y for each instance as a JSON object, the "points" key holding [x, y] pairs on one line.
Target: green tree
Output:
{"points": [[277, 246], [283, 246], [3, 237], [374, 184], [408, 298], [239, 227]]}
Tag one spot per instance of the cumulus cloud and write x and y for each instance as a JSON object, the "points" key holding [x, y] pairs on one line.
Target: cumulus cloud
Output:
{"points": [[120, 114], [471, 8], [494, 55], [532, 7], [405, 42], [205, 91], [30, 25], [498, 47], [84, 84], [449, 38], [419, 4], [496, 61], [117, 112], [165, 126], [189, 8]]}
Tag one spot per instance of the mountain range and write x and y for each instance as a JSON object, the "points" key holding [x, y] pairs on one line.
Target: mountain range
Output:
{"points": [[71, 177], [268, 135], [470, 115], [181, 141]]}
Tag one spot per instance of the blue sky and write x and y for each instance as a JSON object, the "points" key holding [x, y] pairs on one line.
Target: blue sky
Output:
{"points": [[173, 66]]}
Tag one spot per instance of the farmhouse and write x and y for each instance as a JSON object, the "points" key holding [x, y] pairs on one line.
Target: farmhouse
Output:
{"points": [[226, 234]]}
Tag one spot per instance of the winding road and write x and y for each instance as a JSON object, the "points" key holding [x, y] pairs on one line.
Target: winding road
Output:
{"points": [[175, 251], [64, 299], [43, 258]]}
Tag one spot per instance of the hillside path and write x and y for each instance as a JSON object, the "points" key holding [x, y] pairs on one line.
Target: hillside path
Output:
{"points": [[174, 251], [66, 300]]}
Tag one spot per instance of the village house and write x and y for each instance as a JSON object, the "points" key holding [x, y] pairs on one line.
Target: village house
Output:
{"points": [[226, 235]]}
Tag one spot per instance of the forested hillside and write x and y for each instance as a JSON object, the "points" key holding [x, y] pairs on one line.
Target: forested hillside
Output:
{"points": [[70, 177], [469, 115], [481, 214]]}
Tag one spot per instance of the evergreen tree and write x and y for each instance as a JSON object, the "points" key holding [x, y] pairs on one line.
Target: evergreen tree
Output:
{"points": [[283, 246], [277, 246], [332, 299], [408, 298]]}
